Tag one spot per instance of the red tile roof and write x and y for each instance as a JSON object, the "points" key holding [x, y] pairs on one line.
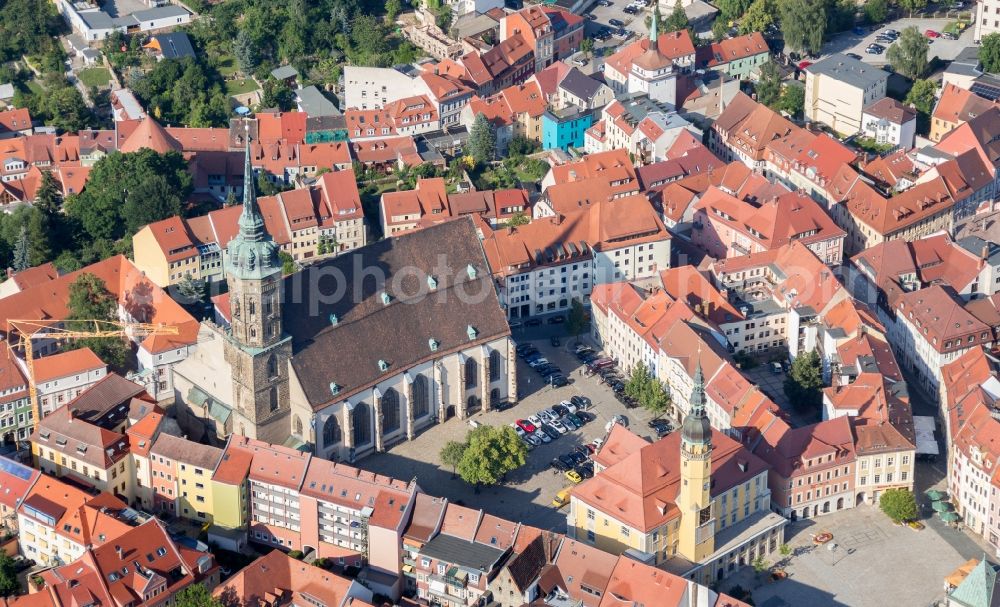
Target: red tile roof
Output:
{"points": [[64, 364]]}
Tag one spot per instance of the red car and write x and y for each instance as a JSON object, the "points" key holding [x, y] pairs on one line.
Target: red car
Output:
{"points": [[526, 425], [932, 34], [804, 64]]}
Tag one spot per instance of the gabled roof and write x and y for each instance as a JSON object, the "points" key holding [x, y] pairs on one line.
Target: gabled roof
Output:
{"points": [[149, 134]]}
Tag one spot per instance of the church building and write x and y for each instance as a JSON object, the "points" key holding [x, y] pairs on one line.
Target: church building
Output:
{"points": [[353, 353]]}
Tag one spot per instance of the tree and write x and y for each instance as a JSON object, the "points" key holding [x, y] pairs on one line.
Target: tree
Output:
{"points": [[678, 19], [913, 5], [908, 55], [48, 198], [66, 109], [899, 505], [492, 452], [451, 454], [646, 390], [277, 94], [577, 319], [760, 565], [196, 595], [989, 52], [518, 219], [804, 383], [730, 10], [520, 146], [8, 576], [150, 201], [245, 52], [21, 251], [587, 46], [191, 289], [287, 263], [758, 17], [482, 140], [768, 87], [444, 17], [793, 100], [392, 10], [876, 11], [720, 30], [803, 23], [89, 299], [923, 96]]}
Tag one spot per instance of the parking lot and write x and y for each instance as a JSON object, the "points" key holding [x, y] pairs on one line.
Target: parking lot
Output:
{"points": [[527, 495], [635, 25], [850, 42]]}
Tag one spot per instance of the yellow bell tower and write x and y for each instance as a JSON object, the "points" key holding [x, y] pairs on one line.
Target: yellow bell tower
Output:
{"points": [[696, 537]]}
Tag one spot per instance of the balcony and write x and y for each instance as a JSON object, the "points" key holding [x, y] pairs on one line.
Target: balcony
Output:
{"points": [[454, 577]]}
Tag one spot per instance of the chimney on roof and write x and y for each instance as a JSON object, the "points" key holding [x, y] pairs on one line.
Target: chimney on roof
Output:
{"points": [[986, 250], [120, 552], [557, 219]]}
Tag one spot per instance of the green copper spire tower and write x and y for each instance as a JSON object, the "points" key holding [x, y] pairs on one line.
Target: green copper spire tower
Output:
{"points": [[252, 253]]}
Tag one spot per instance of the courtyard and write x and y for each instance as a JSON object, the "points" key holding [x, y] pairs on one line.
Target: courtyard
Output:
{"points": [[528, 493]]}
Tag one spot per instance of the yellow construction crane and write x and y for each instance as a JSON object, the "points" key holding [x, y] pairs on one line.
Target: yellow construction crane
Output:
{"points": [[29, 330]]}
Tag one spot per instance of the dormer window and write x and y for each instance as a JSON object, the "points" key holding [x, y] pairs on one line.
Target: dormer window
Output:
{"points": [[334, 320], [471, 271], [433, 344], [472, 332], [334, 388], [386, 298], [383, 365], [432, 282]]}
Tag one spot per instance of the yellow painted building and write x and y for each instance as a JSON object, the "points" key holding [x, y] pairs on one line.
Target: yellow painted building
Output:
{"points": [[696, 494]]}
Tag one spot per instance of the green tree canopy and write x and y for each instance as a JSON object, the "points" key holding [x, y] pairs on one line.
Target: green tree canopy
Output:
{"points": [[482, 140], [646, 390], [989, 52], [803, 23], [876, 11], [804, 382], [451, 454], [492, 452], [899, 505], [792, 101], [908, 55], [245, 53], [912, 5], [21, 262], [732, 9], [89, 299], [923, 96], [758, 17], [677, 20], [8, 576], [577, 319], [196, 595], [111, 204], [768, 87]]}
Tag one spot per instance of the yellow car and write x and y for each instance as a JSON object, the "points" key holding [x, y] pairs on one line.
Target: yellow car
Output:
{"points": [[561, 498], [574, 476]]}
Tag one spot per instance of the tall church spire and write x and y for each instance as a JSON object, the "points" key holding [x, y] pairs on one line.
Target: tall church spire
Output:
{"points": [[653, 27], [251, 222]]}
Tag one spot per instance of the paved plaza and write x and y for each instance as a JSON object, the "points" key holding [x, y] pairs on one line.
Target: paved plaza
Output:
{"points": [[875, 564]]}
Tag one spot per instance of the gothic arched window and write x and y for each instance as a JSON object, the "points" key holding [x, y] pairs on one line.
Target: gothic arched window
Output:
{"points": [[390, 411], [496, 363], [362, 424], [421, 397], [471, 372], [298, 426], [272, 366], [331, 431]]}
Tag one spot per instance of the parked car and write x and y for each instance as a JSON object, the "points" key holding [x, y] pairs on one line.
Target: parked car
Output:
{"points": [[561, 498], [569, 423], [776, 368], [630, 10], [503, 405], [558, 381], [525, 425], [542, 436], [581, 402], [535, 420], [520, 431], [585, 416], [552, 432], [577, 457], [556, 320], [585, 470], [932, 34], [560, 428], [575, 420], [533, 322], [616, 22], [875, 49], [804, 64], [604, 2], [559, 465], [573, 476], [854, 56], [949, 36], [532, 439], [569, 461]]}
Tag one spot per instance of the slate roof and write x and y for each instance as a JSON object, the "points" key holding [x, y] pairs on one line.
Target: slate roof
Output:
{"points": [[457, 551], [579, 84], [368, 329], [175, 45], [851, 71]]}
